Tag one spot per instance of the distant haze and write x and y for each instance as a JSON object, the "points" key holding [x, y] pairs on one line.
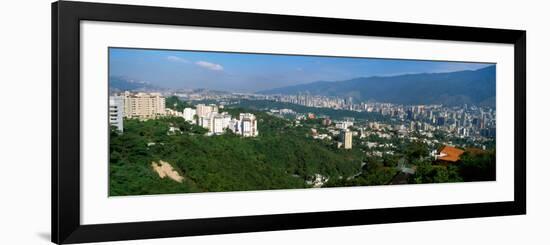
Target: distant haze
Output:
{"points": [[448, 88], [240, 72]]}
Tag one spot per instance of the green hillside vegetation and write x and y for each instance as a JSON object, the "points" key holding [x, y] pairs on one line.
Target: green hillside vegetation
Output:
{"points": [[174, 103], [282, 157]]}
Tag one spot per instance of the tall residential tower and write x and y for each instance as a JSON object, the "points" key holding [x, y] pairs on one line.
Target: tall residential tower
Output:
{"points": [[144, 105], [116, 112]]}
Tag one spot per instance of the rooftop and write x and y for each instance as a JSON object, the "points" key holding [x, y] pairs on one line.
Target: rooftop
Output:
{"points": [[450, 154]]}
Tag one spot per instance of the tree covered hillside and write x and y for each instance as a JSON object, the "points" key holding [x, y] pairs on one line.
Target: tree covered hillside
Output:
{"points": [[281, 157]]}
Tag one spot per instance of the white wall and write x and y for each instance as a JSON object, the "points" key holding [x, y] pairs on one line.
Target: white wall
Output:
{"points": [[25, 121]]}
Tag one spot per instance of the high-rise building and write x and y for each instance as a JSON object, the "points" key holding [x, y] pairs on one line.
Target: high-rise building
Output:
{"points": [[205, 122], [203, 110], [116, 112], [144, 105], [189, 114], [410, 115], [217, 124], [248, 125], [345, 138], [440, 121]]}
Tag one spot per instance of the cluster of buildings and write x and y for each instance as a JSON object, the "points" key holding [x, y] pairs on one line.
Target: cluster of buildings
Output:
{"points": [[339, 130], [416, 126], [461, 121], [306, 99], [205, 94], [209, 117], [146, 106]]}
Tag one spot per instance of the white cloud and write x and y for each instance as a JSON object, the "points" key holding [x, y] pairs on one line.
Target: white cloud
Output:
{"points": [[209, 66], [177, 59]]}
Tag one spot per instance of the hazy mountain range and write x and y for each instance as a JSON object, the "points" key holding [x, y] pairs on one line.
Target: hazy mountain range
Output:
{"points": [[121, 84], [451, 88]]}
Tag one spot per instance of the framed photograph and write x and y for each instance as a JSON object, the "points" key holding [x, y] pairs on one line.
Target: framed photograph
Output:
{"points": [[176, 122]]}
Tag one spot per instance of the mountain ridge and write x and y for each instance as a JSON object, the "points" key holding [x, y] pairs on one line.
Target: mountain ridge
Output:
{"points": [[449, 88]]}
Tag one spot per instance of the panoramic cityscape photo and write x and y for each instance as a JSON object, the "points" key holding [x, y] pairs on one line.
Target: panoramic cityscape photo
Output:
{"points": [[205, 121]]}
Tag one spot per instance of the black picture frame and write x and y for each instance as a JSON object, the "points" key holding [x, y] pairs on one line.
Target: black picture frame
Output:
{"points": [[66, 17]]}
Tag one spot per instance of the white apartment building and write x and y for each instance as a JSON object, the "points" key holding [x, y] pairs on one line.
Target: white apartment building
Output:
{"points": [[221, 122], [116, 112], [217, 125], [144, 105], [189, 115], [216, 122], [205, 122], [248, 125], [203, 110]]}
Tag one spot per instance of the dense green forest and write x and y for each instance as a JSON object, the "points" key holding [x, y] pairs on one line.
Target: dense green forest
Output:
{"points": [[283, 156]]}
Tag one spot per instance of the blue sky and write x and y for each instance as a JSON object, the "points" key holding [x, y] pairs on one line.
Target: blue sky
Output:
{"points": [[253, 72]]}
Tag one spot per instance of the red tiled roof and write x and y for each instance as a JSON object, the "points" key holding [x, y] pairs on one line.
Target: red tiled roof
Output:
{"points": [[452, 154]]}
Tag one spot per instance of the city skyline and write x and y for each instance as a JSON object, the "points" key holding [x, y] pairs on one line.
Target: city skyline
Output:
{"points": [[244, 72]]}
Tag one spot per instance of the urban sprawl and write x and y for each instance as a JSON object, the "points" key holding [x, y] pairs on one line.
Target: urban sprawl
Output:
{"points": [[415, 122]]}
